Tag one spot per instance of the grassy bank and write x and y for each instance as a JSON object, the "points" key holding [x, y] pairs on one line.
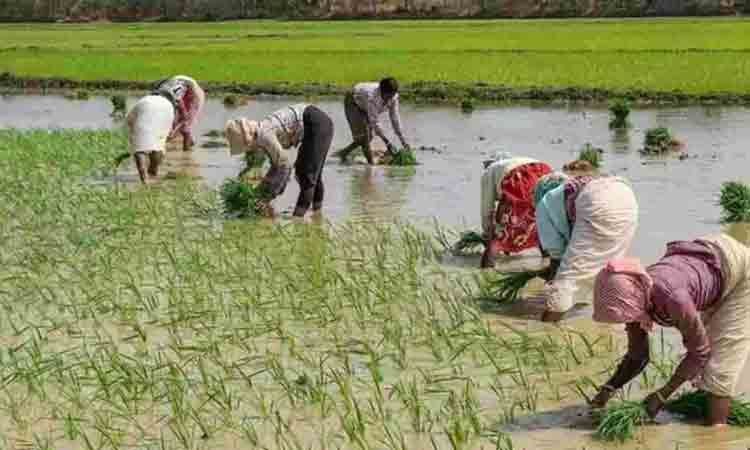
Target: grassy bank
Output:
{"points": [[557, 58], [135, 317]]}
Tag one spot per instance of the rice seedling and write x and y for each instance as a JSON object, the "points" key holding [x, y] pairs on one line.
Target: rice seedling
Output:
{"points": [[214, 134], [467, 105], [118, 105], [659, 141], [403, 157], [694, 405], [619, 110], [468, 241], [235, 101], [620, 420], [735, 202], [505, 287], [591, 154], [243, 200]]}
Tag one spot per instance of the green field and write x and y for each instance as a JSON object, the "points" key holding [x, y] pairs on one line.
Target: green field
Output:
{"points": [[695, 56], [138, 317]]}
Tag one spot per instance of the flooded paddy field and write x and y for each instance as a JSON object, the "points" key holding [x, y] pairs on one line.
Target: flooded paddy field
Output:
{"points": [[137, 318]]}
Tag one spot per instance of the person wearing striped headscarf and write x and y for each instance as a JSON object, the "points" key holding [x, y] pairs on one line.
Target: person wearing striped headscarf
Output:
{"points": [[507, 206], [300, 125], [582, 224], [700, 287]]}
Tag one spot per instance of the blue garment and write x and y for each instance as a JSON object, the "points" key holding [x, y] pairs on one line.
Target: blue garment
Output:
{"points": [[552, 222]]}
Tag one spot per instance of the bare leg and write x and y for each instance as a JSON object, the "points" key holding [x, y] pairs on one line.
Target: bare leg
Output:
{"points": [[140, 164], [718, 410], [154, 161], [187, 140]]}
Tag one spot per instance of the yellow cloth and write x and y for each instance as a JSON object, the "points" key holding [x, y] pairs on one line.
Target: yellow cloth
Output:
{"points": [[728, 323], [605, 224]]}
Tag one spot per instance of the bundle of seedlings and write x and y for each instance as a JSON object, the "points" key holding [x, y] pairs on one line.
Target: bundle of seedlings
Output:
{"points": [[619, 421], [694, 405], [118, 105], [404, 157], [469, 241], [506, 286], [243, 200], [659, 140], [467, 105], [619, 110], [589, 158], [591, 154], [234, 101], [735, 202], [214, 134]]}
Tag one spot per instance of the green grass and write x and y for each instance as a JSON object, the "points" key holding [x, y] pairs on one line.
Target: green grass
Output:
{"points": [[710, 56]]}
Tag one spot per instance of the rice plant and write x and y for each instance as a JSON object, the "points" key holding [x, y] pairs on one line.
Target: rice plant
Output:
{"points": [[118, 105], [619, 110], [659, 141], [467, 105], [735, 202], [694, 405], [403, 157], [242, 199], [620, 420], [469, 241], [506, 287], [591, 154]]}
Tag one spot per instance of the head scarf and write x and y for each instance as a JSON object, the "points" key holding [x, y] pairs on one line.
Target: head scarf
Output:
{"points": [[546, 184], [622, 293], [241, 135], [499, 156]]}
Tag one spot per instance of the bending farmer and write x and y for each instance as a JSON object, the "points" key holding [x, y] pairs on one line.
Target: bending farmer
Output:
{"points": [[702, 288], [582, 224], [289, 127], [149, 124], [363, 106], [188, 98], [507, 204]]}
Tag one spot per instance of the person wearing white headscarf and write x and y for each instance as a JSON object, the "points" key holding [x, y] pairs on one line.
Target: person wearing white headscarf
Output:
{"points": [[301, 125]]}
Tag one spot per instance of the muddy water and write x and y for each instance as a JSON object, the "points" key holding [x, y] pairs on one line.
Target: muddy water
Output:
{"points": [[677, 198]]}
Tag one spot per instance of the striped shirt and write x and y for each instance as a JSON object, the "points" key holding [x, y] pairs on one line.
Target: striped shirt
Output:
{"points": [[281, 130], [368, 98]]}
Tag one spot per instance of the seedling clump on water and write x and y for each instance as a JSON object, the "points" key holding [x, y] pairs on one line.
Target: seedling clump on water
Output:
{"points": [[619, 111], [118, 105], [467, 105], [591, 154], [659, 140], [735, 202]]}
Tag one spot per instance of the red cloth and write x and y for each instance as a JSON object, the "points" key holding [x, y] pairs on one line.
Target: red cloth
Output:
{"points": [[516, 222]]}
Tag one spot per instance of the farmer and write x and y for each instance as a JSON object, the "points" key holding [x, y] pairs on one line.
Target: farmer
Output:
{"points": [[363, 106], [149, 125], [582, 224], [187, 97], [507, 204], [286, 128], [702, 288]]}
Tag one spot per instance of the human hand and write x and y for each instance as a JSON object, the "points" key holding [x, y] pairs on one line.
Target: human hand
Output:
{"points": [[654, 403], [602, 398], [552, 316], [391, 148]]}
